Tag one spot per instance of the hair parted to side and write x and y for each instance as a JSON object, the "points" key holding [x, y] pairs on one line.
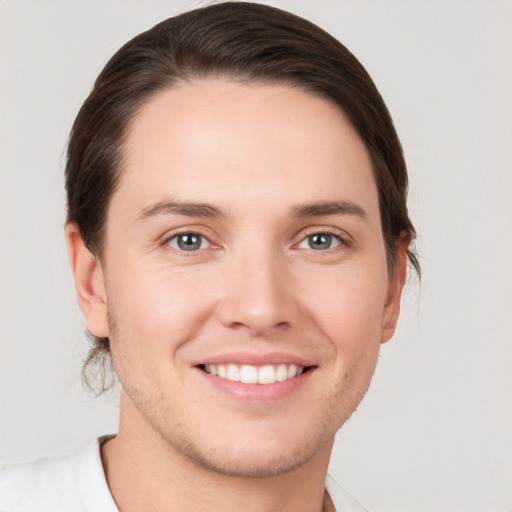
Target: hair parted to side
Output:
{"points": [[239, 41]]}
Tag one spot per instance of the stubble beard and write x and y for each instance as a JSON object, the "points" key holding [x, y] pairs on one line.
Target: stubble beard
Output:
{"points": [[153, 407]]}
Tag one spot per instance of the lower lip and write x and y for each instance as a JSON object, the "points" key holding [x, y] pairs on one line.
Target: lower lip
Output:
{"points": [[257, 392]]}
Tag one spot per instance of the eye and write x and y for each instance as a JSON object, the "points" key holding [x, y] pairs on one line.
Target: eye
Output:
{"points": [[188, 242], [320, 242]]}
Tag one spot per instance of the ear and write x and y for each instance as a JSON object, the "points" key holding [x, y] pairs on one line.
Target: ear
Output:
{"points": [[396, 284], [89, 283]]}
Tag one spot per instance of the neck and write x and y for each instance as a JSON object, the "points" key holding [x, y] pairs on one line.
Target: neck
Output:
{"points": [[145, 473]]}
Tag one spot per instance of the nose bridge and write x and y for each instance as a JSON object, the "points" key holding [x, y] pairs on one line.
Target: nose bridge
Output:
{"points": [[259, 290]]}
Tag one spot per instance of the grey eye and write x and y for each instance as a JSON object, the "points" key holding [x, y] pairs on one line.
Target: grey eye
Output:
{"points": [[320, 242], [188, 242]]}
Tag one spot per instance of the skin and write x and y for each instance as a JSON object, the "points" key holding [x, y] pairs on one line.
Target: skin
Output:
{"points": [[257, 286]]}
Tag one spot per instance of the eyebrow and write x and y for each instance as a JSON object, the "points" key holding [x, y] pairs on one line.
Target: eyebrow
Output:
{"points": [[328, 208], [190, 209]]}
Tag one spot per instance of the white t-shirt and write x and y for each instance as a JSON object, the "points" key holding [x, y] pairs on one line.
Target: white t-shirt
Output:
{"points": [[77, 483]]}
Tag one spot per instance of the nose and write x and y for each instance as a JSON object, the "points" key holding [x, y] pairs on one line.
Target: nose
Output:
{"points": [[259, 295]]}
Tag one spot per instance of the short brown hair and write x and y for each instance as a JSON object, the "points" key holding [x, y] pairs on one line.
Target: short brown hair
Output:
{"points": [[239, 41]]}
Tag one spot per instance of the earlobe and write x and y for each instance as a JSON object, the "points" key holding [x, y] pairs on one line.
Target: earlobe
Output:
{"points": [[396, 284], [89, 282]]}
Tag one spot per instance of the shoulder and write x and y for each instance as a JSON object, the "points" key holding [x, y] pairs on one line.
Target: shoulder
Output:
{"points": [[340, 498], [39, 485], [71, 483]]}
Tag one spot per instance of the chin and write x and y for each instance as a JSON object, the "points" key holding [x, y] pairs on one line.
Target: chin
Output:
{"points": [[255, 449], [254, 462]]}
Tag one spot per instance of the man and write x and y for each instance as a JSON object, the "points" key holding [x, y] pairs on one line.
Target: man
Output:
{"points": [[238, 234]]}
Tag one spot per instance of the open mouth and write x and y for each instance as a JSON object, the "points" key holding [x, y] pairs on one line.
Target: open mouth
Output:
{"points": [[248, 374]]}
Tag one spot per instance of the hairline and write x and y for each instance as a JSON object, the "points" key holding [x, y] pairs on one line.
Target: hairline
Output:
{"points": [[192, 78]]}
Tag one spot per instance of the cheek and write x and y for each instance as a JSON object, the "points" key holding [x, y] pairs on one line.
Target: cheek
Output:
{"points": [[159, 307], [348, 307]]}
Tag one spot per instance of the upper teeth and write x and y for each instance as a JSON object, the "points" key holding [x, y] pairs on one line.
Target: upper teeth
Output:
{"points": [[248, 374]]}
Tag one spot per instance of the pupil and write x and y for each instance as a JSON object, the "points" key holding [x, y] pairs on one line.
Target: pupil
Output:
{"points": [[189, 242], [320, 241]]}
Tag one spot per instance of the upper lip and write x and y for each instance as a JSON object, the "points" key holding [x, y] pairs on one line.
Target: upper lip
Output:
{"points": [[255, 359]]}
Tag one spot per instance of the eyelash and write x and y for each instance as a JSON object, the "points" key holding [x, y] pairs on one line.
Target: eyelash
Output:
{"points": [[184, 252], [343, 241]]}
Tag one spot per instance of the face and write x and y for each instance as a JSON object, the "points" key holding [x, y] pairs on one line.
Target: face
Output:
{"points": [[245, 281]]}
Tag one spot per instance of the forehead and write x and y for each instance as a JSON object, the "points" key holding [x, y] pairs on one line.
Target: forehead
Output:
{"points": [[219, 140]]}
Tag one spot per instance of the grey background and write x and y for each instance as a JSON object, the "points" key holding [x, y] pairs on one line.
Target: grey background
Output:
{"points": [[435, 430]]}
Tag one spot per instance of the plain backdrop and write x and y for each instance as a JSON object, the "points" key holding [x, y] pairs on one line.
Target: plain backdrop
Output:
{"points": [[434, 432]]}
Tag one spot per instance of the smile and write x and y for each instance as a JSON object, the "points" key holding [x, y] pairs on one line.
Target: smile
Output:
{"points": [[248, 374]]}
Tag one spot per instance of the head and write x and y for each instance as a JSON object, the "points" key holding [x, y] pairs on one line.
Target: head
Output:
{"points": [[227, 65]]}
